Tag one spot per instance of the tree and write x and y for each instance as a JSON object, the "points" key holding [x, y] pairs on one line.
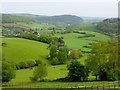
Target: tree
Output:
{"points": [[77, 72], [8, 72], [53, 51], [102, 62], [75, 54], [63, 55], [40, 72]]}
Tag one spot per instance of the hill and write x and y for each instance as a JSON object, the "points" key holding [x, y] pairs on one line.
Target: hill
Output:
{"points": [[17, 49], [10, 18], [60, 19], [108, 26], [81, 42]]}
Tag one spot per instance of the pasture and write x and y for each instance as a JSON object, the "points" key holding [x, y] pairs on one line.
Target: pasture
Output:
{"points": [[72, 40], [54, 72], [37, 25], [18, 49]]}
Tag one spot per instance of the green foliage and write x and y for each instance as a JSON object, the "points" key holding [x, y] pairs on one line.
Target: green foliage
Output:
{"points": [[112, 75], [60, 19], [29, 35], [59, 54], [75, 54], [38, 62], [54, 61], [62, 57], [31, 63], [12, 31], [27, 64], [77, 72], [8, 72], [40, 72], [8, 18], [53, 51], [87, 35], [47, 39], [103, 61], [109, 26], [22, 65]]}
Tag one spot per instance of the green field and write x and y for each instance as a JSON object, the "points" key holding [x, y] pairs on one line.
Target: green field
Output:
{"points": [[54, 72], [37, 25], [72, 40], [86, 26], [95, 84], [18, 49]]}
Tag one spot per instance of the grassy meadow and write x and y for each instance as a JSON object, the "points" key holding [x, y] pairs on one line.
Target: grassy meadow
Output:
{"points": [[72, 40], [18, 49], [37, 25], [54, 72]]}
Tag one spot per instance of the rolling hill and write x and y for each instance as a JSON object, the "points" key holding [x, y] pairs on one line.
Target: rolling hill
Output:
{"points": [[60, 19], [11, 18], [17, 49]]}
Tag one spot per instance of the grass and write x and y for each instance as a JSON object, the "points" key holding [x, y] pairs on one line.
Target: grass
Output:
{"points": [[18, 49], [89, 27], [72, 40], [37, 25], [54, 72], [66, 84]]}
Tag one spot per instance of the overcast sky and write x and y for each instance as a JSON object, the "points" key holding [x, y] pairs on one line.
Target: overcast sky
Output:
{"points": [[102, 8]]}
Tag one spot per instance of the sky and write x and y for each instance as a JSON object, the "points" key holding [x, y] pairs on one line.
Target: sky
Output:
{"points": [[91, 8]]}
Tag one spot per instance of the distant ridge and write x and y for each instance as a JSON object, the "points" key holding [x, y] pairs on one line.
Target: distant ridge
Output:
{"points": [[60, 19]]}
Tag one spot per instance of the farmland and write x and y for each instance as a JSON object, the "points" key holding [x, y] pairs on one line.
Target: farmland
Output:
{"points": [[37, 25], [78, 43], [17, 49], [54, 72], [56, 48]]}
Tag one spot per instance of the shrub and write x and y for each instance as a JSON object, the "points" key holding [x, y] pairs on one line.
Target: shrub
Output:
{"points": [[55, 61], [111, 75], [8, 72], [33, 79], [40, 72], [23, 65], [38, 62], [4, 44], [30, 63], [75, 54], [17, 66]]}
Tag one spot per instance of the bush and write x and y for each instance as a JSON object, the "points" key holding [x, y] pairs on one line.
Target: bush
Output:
{"points": [[112, 76], [75, 54], [40, 72], [87, 35], [8, 72], [4, 44], [55, 61], [38, 62], [17, 66], [22, 65], [30, 63], [26, 64], [33, 79]]}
